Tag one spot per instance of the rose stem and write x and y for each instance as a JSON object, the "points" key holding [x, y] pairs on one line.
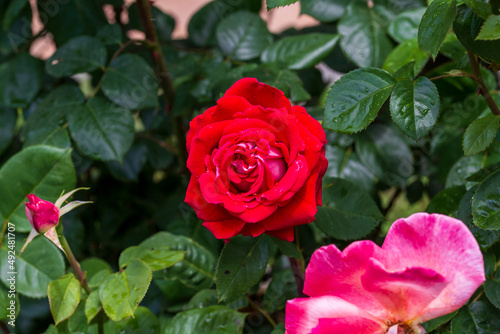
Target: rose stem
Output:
{"points": [[261, 311], [298, 275], [482, 85], [74, 264], [161, 69]]}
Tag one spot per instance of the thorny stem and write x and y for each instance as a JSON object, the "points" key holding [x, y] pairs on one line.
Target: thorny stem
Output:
{"points": [[261, 311], [482, 85], [74, 264], [161, 69]]}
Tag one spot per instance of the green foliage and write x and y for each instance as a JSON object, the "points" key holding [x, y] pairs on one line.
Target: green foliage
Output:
{"points": [[405, 133], [241, 265], [64, 297]]}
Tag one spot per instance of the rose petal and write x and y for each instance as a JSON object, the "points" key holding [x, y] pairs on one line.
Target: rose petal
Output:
{"points": [[225, 229], [404, 293], [442, 244], [258, 93], [304, 314], [286, 234], [336, 273], [351, 325]]}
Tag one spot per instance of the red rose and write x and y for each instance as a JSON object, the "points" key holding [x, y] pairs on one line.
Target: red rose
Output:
{"points": [[256, 163]]}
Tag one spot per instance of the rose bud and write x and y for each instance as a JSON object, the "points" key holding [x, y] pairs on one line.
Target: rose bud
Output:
{"points": [[42, 215], [256, 163]]}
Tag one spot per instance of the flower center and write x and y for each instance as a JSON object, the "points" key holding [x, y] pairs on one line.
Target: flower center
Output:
{"points": [[257, 165]]}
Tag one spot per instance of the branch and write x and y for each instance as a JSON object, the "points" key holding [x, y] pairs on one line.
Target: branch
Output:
{"points": [[161, 69], [482, 85]]}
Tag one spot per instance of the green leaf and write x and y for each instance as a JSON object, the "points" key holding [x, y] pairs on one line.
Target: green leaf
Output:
{"points": [[39, 264], [435, 24], [486, 203], [480, 7], [285, 80], [101, 130], [92, 265], [467, 26], [195, 270], [131, 83], [132, 164], [20, 80], [364, 40], [436, 322], [123, 292], [143, 322], [67, 19], [92, 305], [279, 3], [324, 10], [207, 320], [281, 289], [64, 297], [492, 289], [345, 164], [13, 10], [79, 55], [415, 106], [484, 238], [202, 26], [8, 118], [302, 51], [405, 52], [480, 134], [405, 25], [287, 248], [490, 29], [243, 35], [355, 99], [54, 173], [110, 34], [447, 201], [462, 169], [77, 323], [340, 217], [155, 258], [46, 125], [10, 303], [477, 318], [385, 154], [242, 264]]}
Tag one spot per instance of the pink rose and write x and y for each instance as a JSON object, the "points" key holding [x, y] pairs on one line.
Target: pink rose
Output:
{"points": [[256, 163], [428, 266]]}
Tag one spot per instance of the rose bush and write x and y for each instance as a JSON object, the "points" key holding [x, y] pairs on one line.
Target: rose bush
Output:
{"points": [[256, 163]]}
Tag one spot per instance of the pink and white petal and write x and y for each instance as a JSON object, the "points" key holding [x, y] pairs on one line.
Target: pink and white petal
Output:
{"points": [[225, 229], [336, 273], [404, 293], [440, 243], [351, 325], [303, 314]]}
